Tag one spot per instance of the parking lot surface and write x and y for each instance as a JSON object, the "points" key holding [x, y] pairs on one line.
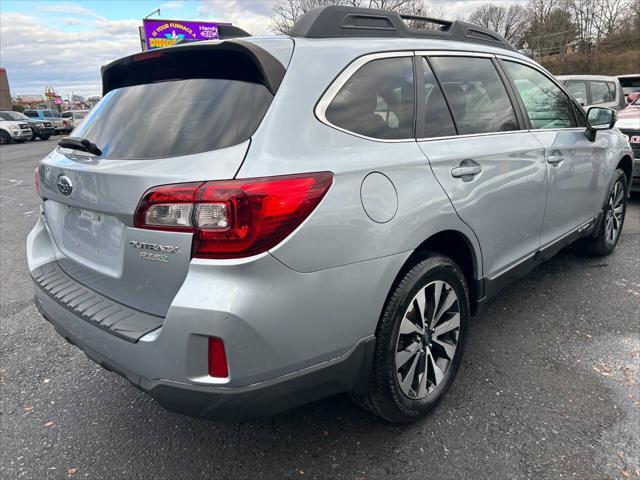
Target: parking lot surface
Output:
{"points": [[549, 388]]}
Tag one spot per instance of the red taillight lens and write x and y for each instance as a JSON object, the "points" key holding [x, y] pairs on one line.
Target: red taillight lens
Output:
{"points": [[217, 359], [234, 218]]}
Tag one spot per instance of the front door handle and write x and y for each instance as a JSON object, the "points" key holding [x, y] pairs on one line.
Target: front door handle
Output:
{"points": [[468, 170], [555, 159]]}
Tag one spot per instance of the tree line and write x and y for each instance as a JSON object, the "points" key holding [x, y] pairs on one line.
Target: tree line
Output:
{"points": [[567, 34]]}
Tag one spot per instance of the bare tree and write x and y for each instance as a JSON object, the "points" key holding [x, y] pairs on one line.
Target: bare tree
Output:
{"points": [[509, 22], [287, 12]]}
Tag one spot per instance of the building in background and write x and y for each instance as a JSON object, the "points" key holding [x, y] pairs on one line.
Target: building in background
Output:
{"points": [[5, 94]]}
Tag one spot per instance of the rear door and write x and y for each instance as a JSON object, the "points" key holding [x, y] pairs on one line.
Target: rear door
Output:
{"points": [[575, 178], [491, 168], [160, 123]]}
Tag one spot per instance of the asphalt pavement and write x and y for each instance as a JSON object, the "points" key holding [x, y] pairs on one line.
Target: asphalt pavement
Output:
{"points": [[549, 388]]}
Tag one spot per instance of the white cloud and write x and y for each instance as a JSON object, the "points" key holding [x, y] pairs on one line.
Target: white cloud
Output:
{"points": [[253, 16], [73, 58], [171, 5]]}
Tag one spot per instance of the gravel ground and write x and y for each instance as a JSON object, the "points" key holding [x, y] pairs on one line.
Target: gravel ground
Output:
{"points": [[549, 388]]}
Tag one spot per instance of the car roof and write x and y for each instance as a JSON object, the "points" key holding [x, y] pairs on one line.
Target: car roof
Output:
{"points": [[630, 75], [586, 77]]}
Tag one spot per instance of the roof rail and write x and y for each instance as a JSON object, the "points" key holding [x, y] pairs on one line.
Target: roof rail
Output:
{"points": [[338, 21]]}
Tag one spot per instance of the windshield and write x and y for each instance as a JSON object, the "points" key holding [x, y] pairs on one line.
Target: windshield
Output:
{"points": [[175, 118], [13, 116], [630, 84]]}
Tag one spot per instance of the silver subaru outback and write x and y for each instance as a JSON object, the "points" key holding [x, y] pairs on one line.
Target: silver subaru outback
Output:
{"points": [[244, 225]]}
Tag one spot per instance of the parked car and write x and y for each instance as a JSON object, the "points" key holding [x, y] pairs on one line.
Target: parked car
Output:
{"points": [[592, 90], [629, 124], [39, 129], [630, 86], [49, 116], [11, 130], [272, 239], [72, 118]]}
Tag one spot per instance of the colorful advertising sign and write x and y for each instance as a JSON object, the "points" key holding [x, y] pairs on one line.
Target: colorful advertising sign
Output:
{"points": [[166, 33]]}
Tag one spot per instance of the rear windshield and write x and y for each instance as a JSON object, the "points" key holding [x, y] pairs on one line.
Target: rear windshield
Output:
{"points": [[173, 118], [31, 114], [79, 115]]}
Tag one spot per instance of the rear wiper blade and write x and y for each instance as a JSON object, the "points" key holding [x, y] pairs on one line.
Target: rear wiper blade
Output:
{"points": [[78, 143]]}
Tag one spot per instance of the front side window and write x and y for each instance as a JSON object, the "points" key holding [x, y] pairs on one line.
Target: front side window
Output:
{"points": [[602, 92], [477, 97], [578, 89], [546, 104], [437, 118], [378, 101]]}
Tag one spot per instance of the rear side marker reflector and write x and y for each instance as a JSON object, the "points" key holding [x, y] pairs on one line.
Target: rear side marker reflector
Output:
{"points": [[217, 359], [234, 218]]}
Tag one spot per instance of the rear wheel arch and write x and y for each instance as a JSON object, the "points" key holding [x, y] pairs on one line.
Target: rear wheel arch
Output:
{"points": [[455, 245]]}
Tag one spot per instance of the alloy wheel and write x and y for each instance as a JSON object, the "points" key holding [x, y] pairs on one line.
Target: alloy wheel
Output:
{"points": [[427, 340], [615, 213]]}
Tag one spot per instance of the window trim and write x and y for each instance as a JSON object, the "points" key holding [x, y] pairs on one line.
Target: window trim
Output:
{"points": [[343, 77]]}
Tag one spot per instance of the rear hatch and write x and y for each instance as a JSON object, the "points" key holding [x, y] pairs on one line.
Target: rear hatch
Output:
{"points": [[183, 114]]}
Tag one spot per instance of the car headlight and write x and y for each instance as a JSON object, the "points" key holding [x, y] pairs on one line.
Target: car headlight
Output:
{"points": [[626, 139], [39, 125]]}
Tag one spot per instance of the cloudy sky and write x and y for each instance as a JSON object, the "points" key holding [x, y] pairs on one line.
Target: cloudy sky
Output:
{"points": [[63, 44]]}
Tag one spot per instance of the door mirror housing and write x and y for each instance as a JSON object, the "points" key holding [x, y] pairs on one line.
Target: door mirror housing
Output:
{"points": [[599, 118]]}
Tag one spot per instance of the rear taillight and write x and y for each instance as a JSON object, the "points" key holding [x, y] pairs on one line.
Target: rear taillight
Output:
{"points": [[217, 359], [234, 218]]}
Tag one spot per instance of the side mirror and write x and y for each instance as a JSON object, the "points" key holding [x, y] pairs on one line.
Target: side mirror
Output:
{"points": [[581, 101], [599, 118]]}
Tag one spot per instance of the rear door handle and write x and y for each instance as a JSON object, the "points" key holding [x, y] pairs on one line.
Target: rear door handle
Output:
{"points": [[459, 172], [555, 159]]}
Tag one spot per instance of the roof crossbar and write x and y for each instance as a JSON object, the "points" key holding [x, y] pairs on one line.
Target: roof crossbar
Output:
{"points": [[337, 21]]}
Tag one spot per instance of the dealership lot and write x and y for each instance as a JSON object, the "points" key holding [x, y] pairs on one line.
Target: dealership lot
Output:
{"points": [[549, 388]]}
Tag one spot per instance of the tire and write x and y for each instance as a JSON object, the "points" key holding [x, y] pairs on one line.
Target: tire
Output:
{"points": [[602, 243], [4, 138], [397, 390], [45, 137], [33, 136]]}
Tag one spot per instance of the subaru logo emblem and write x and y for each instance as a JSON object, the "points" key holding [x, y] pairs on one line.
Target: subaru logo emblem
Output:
{"points": [[65, 187]]}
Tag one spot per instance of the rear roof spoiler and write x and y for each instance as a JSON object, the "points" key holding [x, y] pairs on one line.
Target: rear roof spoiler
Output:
{"points": [[234, 59]]}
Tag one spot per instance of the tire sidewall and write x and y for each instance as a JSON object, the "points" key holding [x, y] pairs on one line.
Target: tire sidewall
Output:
{"points": [[427, 272]]}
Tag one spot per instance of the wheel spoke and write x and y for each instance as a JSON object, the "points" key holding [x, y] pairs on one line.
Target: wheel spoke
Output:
{"points": [[437, 371], [445, 327], [450, 299], [435, 301], [420, 302], [422, 387], [408, 379], [403, 356], [619, 194], [449, 349], [408, 327]]}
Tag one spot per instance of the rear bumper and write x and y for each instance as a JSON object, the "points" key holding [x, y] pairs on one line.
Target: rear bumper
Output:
{"points": [[347, 372], [293, 337]]}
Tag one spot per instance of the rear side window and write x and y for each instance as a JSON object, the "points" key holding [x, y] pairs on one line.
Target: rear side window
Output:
{"points": [[546, 103], [173, 118], [476, 94], [578, 89], [602, 92], [377, 101], [437, 118]]}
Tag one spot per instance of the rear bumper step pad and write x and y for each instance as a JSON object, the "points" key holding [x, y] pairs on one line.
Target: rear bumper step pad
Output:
{"points": [[118, 319]]}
